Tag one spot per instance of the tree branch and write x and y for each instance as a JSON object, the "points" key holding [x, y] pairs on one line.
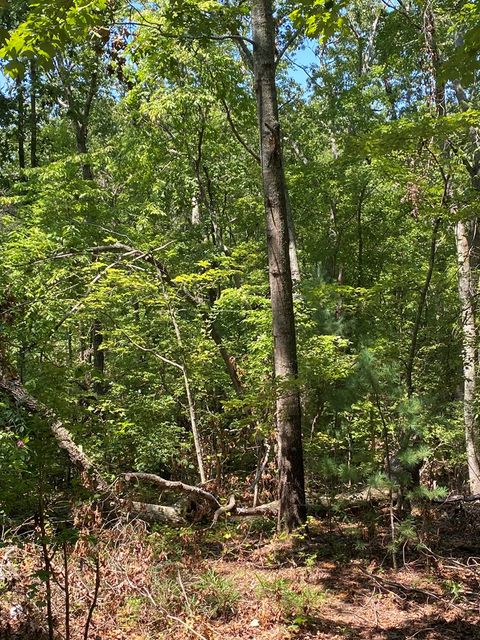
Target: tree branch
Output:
{"points": [[235, 132], [174, 485]]}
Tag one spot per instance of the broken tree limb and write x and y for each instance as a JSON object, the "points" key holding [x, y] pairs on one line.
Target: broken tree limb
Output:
{"points": [[269, 510], [174, 485], [227, 508], [92, 477]]}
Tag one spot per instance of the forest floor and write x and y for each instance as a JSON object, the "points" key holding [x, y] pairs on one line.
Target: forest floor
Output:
{"points": [[240, 581]]}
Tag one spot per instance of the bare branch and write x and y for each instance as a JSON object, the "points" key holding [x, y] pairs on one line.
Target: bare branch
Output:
{"points": [[289, 42], [174, 485], [235, 132], [245, 53]]}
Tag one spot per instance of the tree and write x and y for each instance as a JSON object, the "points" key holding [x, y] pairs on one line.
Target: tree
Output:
{"points": [[291, 490]]}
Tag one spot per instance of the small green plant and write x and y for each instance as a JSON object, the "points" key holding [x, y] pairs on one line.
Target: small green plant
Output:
{"points": [[130, 613], [454, 588], [309, 559], [168, 594], [298, 605], [172, 545], [405, 533], [215, 595], [210, 594]]}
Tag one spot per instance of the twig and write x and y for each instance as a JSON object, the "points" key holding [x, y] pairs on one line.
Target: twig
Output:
{"points": [[235, 132], [186, 625], [421, 631], [67, 592], [187, 602], [94, 600]]}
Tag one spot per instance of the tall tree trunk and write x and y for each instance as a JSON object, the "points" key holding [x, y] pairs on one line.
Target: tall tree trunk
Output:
{"points": [[21, 124], [467, 267], [420, 309], [291, 488], [467, 301], [33, 113], [467, 259]]}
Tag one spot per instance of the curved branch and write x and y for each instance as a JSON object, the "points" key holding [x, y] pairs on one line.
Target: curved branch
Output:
{"points": [[235, 132], [174, 485], [227, 508]]}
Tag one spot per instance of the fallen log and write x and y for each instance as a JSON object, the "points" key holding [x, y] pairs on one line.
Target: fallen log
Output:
{"points": [[92, 477], [154, 513]]}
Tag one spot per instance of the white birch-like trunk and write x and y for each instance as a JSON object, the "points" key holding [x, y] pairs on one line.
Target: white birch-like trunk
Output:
{"points": [[469, 354]]}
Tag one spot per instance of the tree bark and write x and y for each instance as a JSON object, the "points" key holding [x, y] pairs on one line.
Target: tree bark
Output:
{"points": [[291, 487], [292, 245], [97, 351], [469, 354]]}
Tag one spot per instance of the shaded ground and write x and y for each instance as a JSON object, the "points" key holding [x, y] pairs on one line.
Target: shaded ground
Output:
{"points": [[237, 582]]}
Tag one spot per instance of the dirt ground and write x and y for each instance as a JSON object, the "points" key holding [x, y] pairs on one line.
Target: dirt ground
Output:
{"points": [[238, 581]]}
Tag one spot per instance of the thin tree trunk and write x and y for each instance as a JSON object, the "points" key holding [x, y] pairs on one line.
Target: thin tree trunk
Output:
{"points": [[468, 263], [360, 202], [182, 368], [191, 405], [469, 355], [47, 566], [291, 487], [420, 309], [21, 124], [262, 463], [33, 113], [467, 289]]}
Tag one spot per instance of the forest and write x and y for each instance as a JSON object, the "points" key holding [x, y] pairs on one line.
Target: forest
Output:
{"points": [[239, 343]]}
